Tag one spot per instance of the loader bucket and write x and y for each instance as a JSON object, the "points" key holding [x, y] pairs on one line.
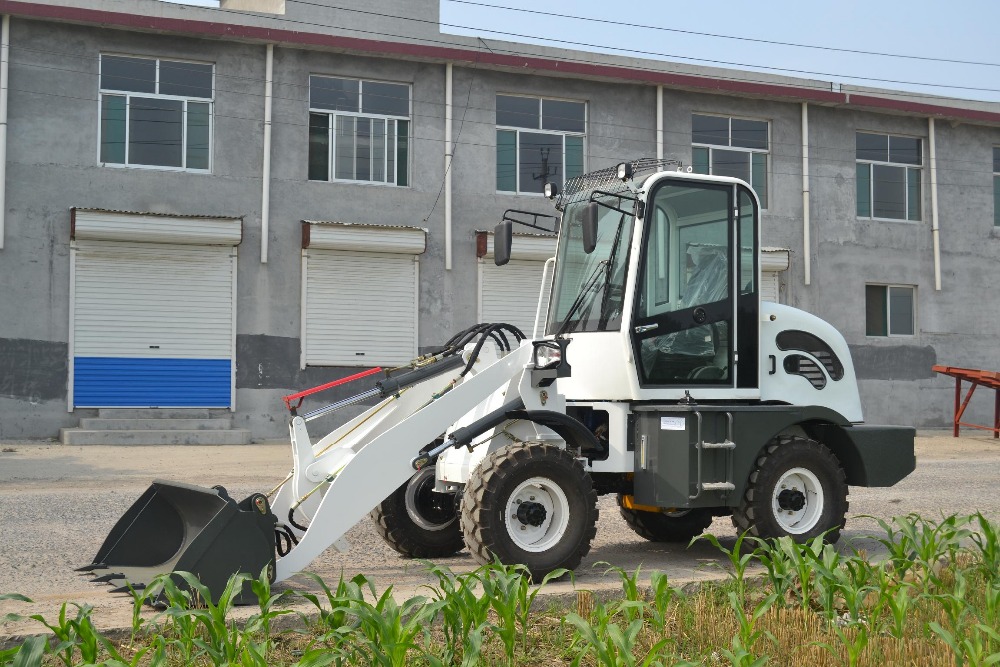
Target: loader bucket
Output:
{"points": [[175, 527]]}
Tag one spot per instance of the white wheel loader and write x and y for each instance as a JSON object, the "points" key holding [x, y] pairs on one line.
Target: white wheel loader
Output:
{"points": [[661, 378]]}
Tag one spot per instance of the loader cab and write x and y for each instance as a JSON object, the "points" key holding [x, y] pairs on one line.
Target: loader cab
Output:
{"points": [[668, 300], [694, 318]]}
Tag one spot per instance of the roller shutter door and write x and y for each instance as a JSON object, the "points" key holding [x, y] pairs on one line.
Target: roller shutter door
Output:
{"points": [[510, 293], [769, 286], [361, 308], [153, 325]]}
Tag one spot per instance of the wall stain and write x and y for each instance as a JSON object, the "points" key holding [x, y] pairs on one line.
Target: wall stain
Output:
{"points": [[896, 362], [33, 370]]}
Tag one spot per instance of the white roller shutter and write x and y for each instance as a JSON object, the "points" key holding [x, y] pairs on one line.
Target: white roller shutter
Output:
{"points": [[510, 293], [769, 286], [360, 308], [152, 325]]}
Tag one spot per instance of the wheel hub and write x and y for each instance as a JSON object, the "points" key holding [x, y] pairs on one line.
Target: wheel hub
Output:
{"points": [[791, 499], [427, 508], [531, 513]]}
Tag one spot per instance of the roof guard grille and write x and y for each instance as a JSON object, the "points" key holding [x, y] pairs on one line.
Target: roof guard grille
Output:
{"points": [[579, 188]]}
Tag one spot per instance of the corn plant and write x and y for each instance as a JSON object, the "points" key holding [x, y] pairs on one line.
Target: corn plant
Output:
{"points": [[608, 643], [778, 565], [974, 647], [508, 589], [662, 595], [854, 639], [987, 540], [739, 559], [634, 606], [463, 613], [73, 634], [28, 654], [389, 631]]}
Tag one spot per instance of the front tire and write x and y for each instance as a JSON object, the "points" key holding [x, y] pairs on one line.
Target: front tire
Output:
{"points": [[797, 489], [676, 526], [531, 504], [419, 522]]}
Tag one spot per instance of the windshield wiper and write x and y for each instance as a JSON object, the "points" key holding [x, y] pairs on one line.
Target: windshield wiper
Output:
{"points": [[603, 319], [588, 285]]}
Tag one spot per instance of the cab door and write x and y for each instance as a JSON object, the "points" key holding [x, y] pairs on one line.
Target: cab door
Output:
{"points": [[683, 322]]}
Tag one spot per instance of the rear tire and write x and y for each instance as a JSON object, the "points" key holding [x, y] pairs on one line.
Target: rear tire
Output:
{"points": [[797, 489], [531, 504], [417, 521], [677, 526]]}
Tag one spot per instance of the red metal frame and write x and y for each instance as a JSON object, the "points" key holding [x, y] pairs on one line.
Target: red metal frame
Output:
{"points": [[336, 383], [988, 379]]}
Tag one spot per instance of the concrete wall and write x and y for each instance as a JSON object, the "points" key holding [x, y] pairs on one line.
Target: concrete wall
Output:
{"points": [[52, 166]]}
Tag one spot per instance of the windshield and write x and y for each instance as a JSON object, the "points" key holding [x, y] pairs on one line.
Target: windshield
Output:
{"points": [[588, 290]]}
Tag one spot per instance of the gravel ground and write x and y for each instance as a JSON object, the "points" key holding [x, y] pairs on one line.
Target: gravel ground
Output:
{"points": [[57, 504]]}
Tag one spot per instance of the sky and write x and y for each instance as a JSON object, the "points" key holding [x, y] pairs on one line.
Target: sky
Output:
{"points": [[932, 31]]}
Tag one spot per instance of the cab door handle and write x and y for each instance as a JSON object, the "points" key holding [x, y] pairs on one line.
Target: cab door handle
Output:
{"points": [[646, 327]]}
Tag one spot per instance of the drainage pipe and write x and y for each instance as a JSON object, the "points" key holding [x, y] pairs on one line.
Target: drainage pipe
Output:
{"points": [[4, 77], [447, 164], [935, 230], [265, 193], [806, 257], [659, 125]]}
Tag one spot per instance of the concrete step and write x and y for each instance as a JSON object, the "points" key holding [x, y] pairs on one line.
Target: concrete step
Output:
{"points": [[153, 413], [81, 436], [99, 424]]}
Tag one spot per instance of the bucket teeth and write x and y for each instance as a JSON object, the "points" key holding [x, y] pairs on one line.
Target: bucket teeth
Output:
{"points": [[90, 568], [104, 578], [123, 589]]}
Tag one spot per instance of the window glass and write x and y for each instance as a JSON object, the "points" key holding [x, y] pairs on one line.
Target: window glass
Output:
{"points": [[319, 147], [996, 159], [758, 177], [876, 311], [137, 75], [386, 99], [864, 176], [872, 147], [185, 79], [710, 130], [889, 191], [197, 135], [901, 311], [749, 133], [913, 194], [541, 160], [344, 163], [113, 129], [506, 161], [156, 132], [362, 156], [333, 94], [564, 116], [403, 152], [731, 163], [904, 149], [996, 201], [518, 111], [699, 160], [574, 157]]}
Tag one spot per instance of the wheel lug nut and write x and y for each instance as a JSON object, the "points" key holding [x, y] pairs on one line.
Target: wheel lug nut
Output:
{"points": [[531, 498], [524, 528]]}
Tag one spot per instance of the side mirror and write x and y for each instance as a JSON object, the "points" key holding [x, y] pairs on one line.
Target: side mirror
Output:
{"points": [[590, 227], [503, 236]]}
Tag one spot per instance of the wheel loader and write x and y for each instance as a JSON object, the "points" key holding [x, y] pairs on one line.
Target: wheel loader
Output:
{"points": [[661, 378]]}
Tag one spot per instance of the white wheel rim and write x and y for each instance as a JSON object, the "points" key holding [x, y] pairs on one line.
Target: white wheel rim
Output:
{"points": [[546, 535], [791, 518]]}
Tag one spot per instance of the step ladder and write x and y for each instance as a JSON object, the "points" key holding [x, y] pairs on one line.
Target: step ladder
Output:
{"points": [[727, 445]]}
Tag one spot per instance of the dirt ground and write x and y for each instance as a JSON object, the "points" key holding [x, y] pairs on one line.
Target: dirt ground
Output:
{"points": [[57, 504]]}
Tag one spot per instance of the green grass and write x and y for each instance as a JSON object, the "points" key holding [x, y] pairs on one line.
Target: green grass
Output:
{"points": [[934, 601]]}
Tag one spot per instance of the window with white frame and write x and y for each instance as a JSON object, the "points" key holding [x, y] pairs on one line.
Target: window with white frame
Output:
{"points": [[156, 113], [996, 186], [888, 176], [737, 147], [889, 310], [359, 131], [539, 141]]}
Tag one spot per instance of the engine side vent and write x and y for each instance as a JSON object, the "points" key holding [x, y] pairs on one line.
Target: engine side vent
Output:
{"points": [[803, 341], [796, 364]]}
